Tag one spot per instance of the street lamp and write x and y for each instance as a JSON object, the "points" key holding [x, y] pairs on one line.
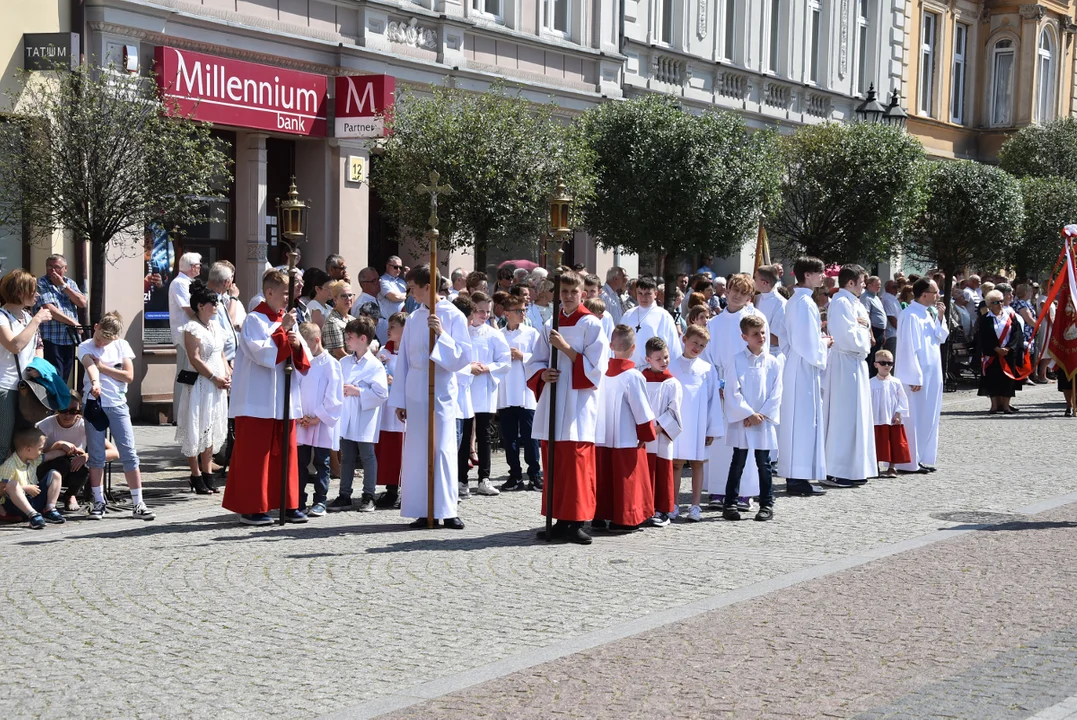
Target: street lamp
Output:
{"points": [[895, 115], [870, 110], [292, 216]]}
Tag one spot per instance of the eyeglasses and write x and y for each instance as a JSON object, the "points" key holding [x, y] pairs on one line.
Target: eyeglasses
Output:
{"points": [[883, 362], [347, 295]]}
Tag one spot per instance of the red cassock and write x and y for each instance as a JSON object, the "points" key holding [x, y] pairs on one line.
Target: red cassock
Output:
{"points": [[665, 490], [254, 474], [625, 489], [389, 450], [891, 445]]}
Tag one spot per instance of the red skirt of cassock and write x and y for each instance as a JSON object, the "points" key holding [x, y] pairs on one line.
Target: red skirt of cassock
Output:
{"points": [[891, 445], [389, 450], [625, 493], [254, 472], [573, 480], [665, 490]]}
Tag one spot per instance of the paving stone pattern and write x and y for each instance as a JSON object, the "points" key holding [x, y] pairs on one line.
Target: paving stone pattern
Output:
{"points": [[195, 616]]}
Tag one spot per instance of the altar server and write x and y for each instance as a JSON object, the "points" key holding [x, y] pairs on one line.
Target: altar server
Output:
{"points": [[649, 319], [318, 432], [390, 448], [889, 405], [664, 396], [921, 331], [366, 388], [516, 402]]}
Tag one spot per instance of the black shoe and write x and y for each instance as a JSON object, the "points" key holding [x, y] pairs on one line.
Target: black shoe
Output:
{"points": [[623, 529], [600, 526], [928, 468], [731, 513], [578, 535], [512, 485], [198, 485], [454, 523], [837, 482], [557, 532], [535, 485], [341, 503], [387, 500], [421, 524], [804, 490], [863, 481], [765, 513]]}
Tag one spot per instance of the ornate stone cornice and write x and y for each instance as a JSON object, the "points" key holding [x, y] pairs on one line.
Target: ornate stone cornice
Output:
{"points": [[1032, 12]]}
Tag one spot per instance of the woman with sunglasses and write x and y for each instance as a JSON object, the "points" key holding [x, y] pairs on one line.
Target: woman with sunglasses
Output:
{"points": [[66, 431], [1001, 344]]}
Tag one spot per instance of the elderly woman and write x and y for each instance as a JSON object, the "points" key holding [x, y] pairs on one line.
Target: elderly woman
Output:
{"points": [[333, 330], [19, 343], [1001, 343]]}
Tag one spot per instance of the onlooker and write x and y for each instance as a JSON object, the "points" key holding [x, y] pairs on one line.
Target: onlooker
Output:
{"points": [[180, 312], [342, 296], [18, 345], [394, 290], [1000, 342], [317, 293], [717, 301], [230, 312], [66, 431], [476, 282], [892, 308], [30, 491], [611, 293], [459, 282], [369, 287], [505, 275], [60, 295], [202, 418], [337, 268]]}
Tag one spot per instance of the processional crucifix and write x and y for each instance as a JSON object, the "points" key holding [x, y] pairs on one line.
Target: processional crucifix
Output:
{"points": [[433, 190]]}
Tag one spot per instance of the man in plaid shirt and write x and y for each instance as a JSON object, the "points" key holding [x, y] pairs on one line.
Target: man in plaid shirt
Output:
{"points": [[62, 297]]}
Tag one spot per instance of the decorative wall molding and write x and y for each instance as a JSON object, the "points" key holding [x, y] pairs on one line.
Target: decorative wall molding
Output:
{"points": [[733, 85], [701, 20], [777, 95], [843, 40], [668, 70], [818, 105], [1032, 12], [413, 34]]}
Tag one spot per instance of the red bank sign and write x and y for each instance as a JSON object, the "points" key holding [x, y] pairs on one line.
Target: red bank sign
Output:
{"points": [[243, 94], [360, 102]]}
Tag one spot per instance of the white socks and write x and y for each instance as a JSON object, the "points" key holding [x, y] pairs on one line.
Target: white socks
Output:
{"points": [[98, 493], [136, 496]]}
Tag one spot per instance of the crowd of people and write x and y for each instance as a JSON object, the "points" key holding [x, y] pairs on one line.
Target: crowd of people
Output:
{"points": [[827, 382]]}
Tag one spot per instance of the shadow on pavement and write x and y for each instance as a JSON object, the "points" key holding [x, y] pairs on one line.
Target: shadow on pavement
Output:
{"points": [[1017, 526]]}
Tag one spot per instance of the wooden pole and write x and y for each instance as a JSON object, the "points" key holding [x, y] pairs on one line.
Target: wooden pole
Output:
{"points": [[552, 435], [286, 451]]}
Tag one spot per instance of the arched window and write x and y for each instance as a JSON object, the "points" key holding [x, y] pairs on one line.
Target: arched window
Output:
{"points": [[1002, 61], [1045, 84]]}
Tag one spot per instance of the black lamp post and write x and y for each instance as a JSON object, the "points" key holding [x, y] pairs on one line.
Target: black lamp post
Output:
{"points": [[870, 110], [895, 115]]}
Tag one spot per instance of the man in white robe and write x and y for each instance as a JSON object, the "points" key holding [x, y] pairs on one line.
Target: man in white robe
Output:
{"points": [[408, 396], [651, 320], [849, 428], [771, 303], [801, 452], [918, 365]]}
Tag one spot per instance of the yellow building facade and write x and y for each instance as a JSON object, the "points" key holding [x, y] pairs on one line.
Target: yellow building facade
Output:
{"points": [[975, 72]]}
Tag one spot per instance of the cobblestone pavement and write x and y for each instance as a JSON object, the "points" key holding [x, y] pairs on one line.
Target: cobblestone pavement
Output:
{"points": [[195, 616]]}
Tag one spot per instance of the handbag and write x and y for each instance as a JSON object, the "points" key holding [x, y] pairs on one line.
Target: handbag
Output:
{"points": [[29, 410], [95, 414], [187, 377]]}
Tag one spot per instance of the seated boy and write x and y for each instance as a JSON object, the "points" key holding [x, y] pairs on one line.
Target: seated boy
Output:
{"points": [[27, 493]]}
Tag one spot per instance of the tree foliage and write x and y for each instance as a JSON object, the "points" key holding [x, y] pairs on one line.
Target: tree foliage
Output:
{"points": [[972, 217], [501, 153], [1048, 150], [669, 182], [1050, 204], [849, 191], [100, 154]]}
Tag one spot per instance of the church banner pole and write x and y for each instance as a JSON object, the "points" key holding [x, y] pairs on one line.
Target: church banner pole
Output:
{"points": [[433, 190], [286, 450], [560, 203]]}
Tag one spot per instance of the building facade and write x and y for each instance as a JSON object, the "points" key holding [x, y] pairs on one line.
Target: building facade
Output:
{"points": [[978, 71]]}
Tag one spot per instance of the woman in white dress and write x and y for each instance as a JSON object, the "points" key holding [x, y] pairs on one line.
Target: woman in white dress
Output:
{"points": [[202, 419]]}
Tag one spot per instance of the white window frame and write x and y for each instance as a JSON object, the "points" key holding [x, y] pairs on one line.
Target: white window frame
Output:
{"points": [[929, 45], [1003, 46], [959, 73], [665, 21], [774, 35], [1046, 62], [549, 18], [729, 30], [479, 8], [815, 40], [862, 41]]}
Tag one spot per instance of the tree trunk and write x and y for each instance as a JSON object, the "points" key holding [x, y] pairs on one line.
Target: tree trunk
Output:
{"points": [[480, 258], [669, 278], [97, 279]]}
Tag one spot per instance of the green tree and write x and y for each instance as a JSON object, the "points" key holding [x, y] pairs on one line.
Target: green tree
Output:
{"points": [[972, 217], [100, 154], [501, 153], [849, 190], [1042, 151], [669, 182], [1050, 204]]}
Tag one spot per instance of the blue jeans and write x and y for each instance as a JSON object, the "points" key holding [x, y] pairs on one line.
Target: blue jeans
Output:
{"points": [[119, 421], [321, 477], [44, 479], [61, 357], [736, 469], [516, 424], [350, 452]]}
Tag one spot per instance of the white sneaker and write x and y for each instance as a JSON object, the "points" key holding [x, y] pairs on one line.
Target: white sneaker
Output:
{"points": [[695, 514], [485, 488], [675, 514], [660, 520], [141, 512], [464, 492]]}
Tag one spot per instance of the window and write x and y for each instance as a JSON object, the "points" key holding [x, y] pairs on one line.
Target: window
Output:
{"points": [[488, 7], [815, 12], [957, 83], [775, 21], [1002, 83], [555, 18], [862, 79], [730, 18], [927, 63], [1045, 83], [667, 21]]}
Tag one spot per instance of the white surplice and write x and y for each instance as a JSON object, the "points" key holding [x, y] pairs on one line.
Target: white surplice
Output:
{"points": [[772, 305], [451, 353], [389, 356], [322, 394], [360, 418], [623, 406], [665, 399], [701, 408], [577, 407], [512, 391], [919, 362], [257, 379], [888, 397], [754, 386], [801, 453], [849, 430], [650, 322], [488, 347]]}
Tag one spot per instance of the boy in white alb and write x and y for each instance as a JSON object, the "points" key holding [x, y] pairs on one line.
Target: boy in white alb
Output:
{"points": [[624, 493], [516, 402], [649, 319], [753, 396], [390, 448], [701, 412], [771, 303], [366, 387], [490, 361], [889, 404], [321, 390], [664, 395]]}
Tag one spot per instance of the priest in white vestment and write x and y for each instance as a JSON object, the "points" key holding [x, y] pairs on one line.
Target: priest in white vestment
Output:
{"points": [[918, 365]]}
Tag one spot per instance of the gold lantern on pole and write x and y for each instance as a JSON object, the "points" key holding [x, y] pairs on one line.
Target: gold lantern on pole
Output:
{"points": [[292, 216]]}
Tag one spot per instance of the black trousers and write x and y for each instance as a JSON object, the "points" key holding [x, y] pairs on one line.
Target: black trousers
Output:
{"points": [[736, 469], [480, 424]]}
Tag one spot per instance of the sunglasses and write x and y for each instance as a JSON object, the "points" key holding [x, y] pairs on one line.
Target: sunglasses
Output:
{"points": [[68, 412], [883, 362], [395, 267], [347, 295], [995, 302]]}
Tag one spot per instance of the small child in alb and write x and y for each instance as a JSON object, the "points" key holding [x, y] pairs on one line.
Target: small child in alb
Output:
{"points": [[664, 394], [753, 395], [390, 448], [888, 405], [321, 391], [516, 402]]}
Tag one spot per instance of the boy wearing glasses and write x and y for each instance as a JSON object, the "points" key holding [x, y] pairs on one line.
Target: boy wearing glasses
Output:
{"points": [[888, 403]]}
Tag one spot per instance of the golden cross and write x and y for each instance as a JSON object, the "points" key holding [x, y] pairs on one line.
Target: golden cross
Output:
{"points": [[433, 189]]}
